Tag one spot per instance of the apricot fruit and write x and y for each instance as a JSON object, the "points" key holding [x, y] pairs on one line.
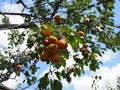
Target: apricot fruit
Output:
{"points": [[52, 49], [62, 44], [55, 58], [58, 19], [81, 33], [44, 56], [86, 20], [52, 39], [45, 31], [35, 60], [36, 48], [19, 67], [73, 69], [44, 27]]}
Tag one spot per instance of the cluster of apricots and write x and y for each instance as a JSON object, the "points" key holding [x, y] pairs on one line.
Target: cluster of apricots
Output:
{"points": [[52, 48], [52, 45], [85, 50]]}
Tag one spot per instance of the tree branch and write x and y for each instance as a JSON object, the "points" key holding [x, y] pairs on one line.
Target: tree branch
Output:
{"points": [[2, 87], [56, 8], [13, 26], [24, 5], [95, 4], [21, 14], [31, 84]]}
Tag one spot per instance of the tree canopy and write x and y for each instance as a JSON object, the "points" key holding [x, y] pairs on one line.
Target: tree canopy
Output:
{"points": [[56, 31]]}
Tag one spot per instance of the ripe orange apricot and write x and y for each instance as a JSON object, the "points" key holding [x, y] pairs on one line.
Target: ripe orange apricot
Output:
{"points": [[73, 69], [44, 56], [62, 44], [36, 48], [45, 31], [52, 49], [52, 39], [19, 66], [84, 50], [55, 58], [35, 60], [81, 33], [58, 19], [86, 20]]}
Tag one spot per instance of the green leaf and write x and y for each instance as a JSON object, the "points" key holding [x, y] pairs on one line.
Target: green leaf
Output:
{"points": [[63, 62], [44, 81], [65, 53], [79, 71], [56, 85], [33, 68], [99, 9], [58, 75], [27, 73], [29, 81], [74, 45], [92, 67], [63, 74], [34, 79], [68, 78]]}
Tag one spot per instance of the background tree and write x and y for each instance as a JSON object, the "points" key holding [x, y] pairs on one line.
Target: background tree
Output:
{"points": [[52, 28], [108, 86]]}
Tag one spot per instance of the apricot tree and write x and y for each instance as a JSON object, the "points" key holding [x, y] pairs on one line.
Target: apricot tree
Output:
{"points": [[52, 28]]}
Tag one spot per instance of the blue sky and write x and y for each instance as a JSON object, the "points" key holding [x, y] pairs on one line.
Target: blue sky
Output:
{"points": [[110, 66]]}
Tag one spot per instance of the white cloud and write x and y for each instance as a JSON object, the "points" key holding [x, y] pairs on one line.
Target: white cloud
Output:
{"points": [[3, 38], [12, 83], [107, 56], [16, 19], [108, 74], [83, 83]]}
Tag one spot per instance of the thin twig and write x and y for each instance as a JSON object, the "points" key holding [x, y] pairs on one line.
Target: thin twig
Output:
{"points": [[31, 84], [24, 5], [56, 8]]}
